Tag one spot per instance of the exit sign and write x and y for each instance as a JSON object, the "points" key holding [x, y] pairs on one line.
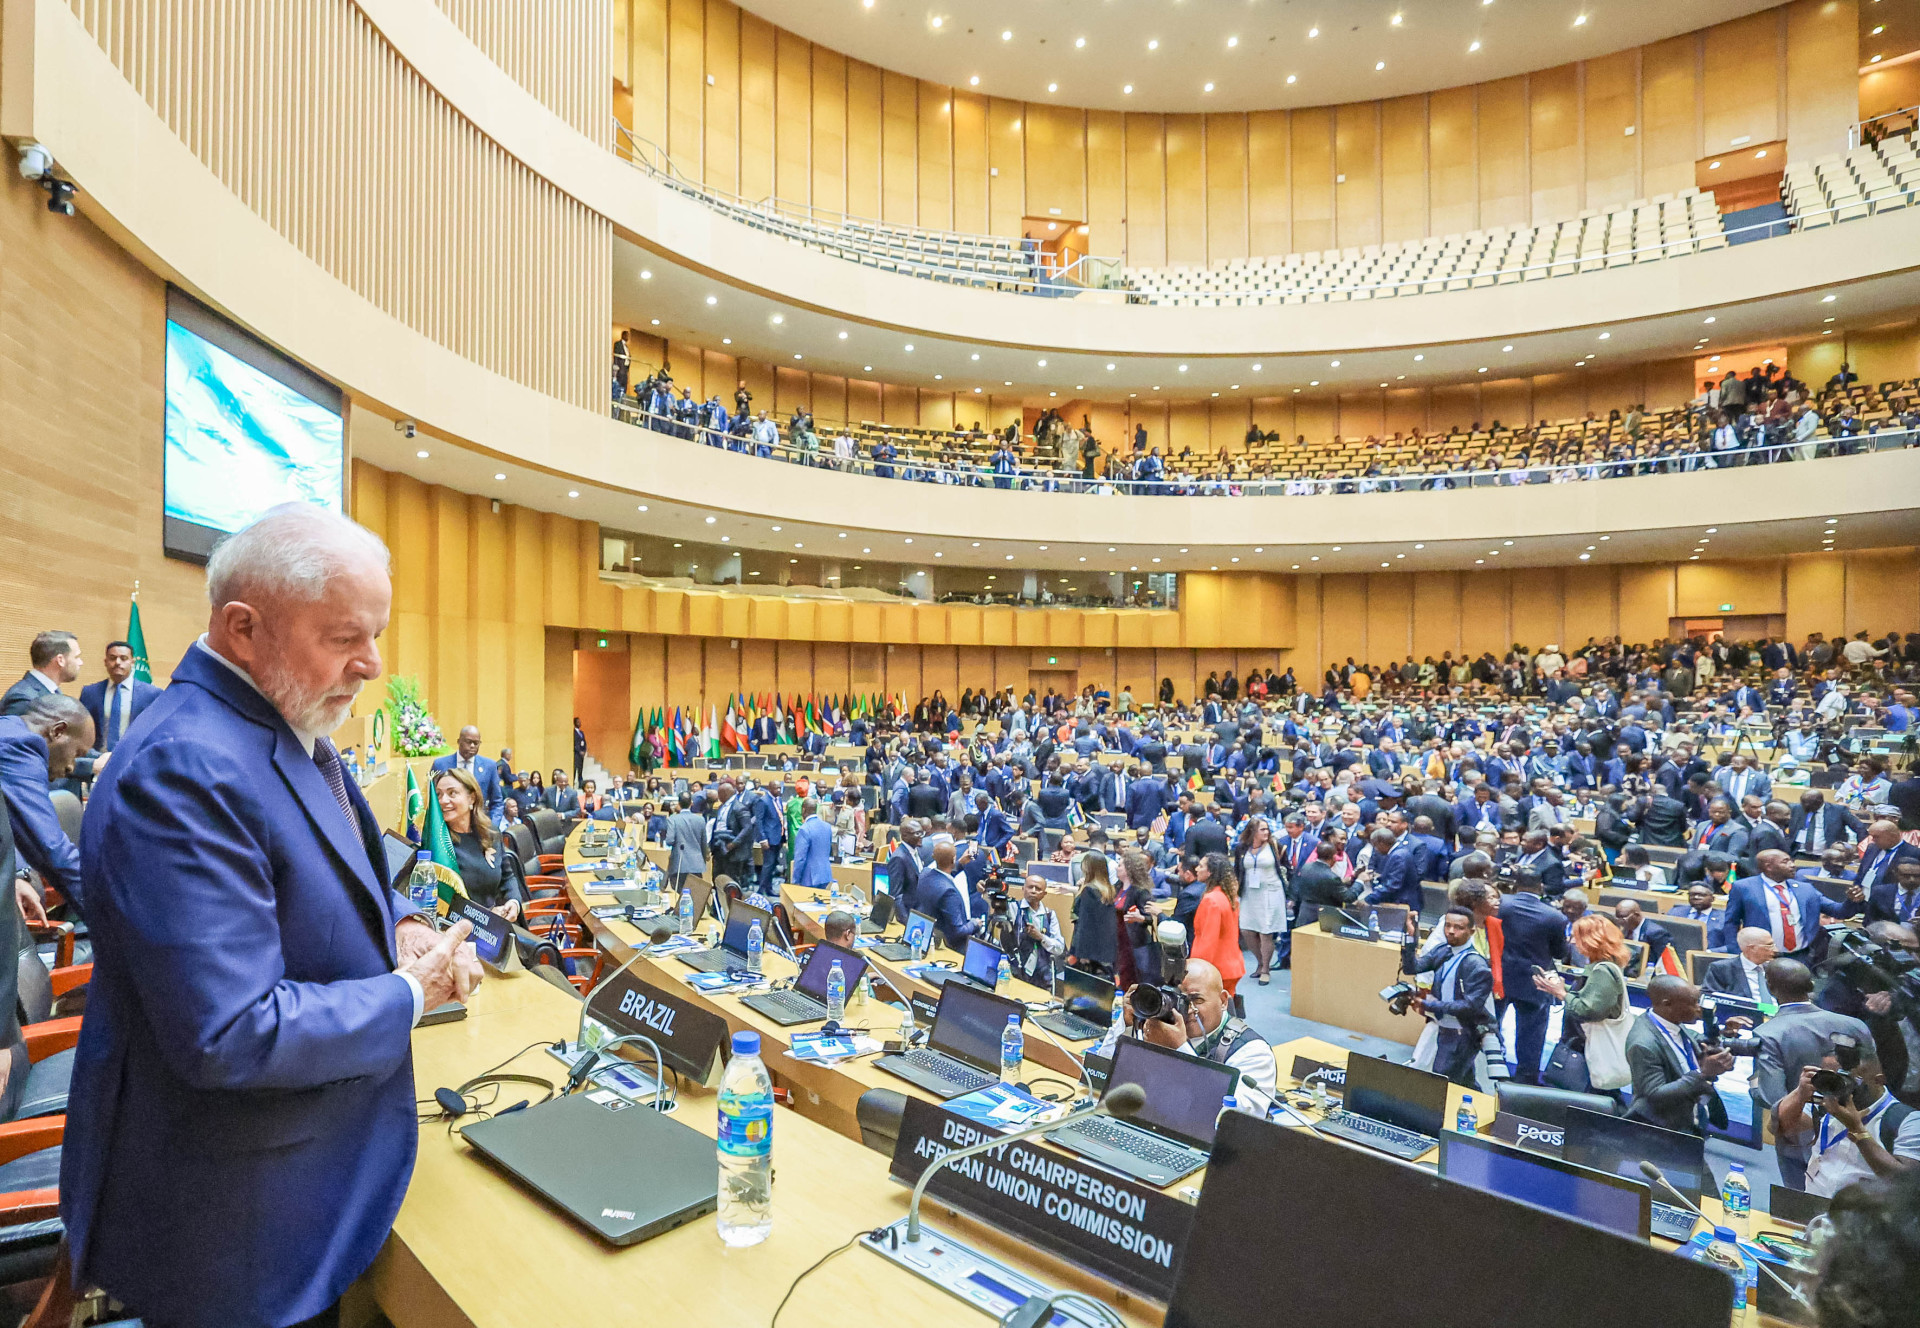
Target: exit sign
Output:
{"points": [[1053, 659], [1726, 608]]}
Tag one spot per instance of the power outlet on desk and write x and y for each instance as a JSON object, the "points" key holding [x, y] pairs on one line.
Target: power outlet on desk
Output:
{"points": [[957, 1268]]}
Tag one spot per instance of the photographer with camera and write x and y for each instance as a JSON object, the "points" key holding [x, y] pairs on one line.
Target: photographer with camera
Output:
{"points": [[1034, 942], [1799, 1035], [1460, 1000], [1190, 1012], [1875, 976], [1858, 1130], [1673, 1068]]}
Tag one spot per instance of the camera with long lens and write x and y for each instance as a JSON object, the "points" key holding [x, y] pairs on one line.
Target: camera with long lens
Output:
{"points": [[1864, 967], [1162, 1002], [1713, 1039], [1399, 997], [1843, 1084]]}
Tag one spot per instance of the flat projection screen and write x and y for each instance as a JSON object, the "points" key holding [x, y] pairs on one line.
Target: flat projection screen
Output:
{"points": [[246, 430]]}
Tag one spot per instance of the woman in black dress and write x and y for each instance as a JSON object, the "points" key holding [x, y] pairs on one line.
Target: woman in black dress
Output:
{"points": [[493, 880], [1095, 925]]}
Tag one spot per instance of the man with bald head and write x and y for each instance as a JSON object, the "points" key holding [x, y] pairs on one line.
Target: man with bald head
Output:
{"points": [[940, 897], [1211, 1031], [38, 748], [1877, 876], [242, 1124], [485, 771], [1783, 906]]}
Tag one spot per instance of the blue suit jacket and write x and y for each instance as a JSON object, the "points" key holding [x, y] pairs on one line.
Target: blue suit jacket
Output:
{"points": [[1145, 798], [241, 1129], [1883, 898], [1533, 932], [486, 773], [813, 854], [36, 826], [94, 697], [1399, 881], [1750, 904]]}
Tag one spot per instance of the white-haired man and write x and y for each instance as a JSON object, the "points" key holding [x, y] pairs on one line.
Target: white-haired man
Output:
{"points": [[242, 1126]]}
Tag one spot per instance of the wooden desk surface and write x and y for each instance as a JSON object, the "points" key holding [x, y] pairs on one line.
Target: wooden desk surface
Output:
{"points": [[472, 1249]]}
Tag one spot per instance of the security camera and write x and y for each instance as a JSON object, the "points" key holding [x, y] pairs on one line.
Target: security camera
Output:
{"points": [[405, 427], [35, 161], [59, 195]]}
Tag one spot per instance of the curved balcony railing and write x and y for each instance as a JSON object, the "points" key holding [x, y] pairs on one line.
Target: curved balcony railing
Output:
{"points": [[904, 464]]}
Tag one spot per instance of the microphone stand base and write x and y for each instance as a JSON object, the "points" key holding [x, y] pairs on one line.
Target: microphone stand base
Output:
{"points": [[980, 1279]]}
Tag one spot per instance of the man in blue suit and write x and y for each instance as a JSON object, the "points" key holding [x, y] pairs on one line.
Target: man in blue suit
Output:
{"points": [[1398, 862], [812, 848], [1875, 879], [1533, 934], [1146, 798], [769, 834], [242, 1124], [37, 750], [116, 700], [485, 771], [1777, 903]]}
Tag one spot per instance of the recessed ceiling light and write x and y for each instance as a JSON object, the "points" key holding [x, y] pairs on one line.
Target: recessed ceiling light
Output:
{"points": [[1379, 65], [1006, 382], [909, 540], [1078, 42], [1154, 44], [1874, 61], [1127, 89], [1009, 557], [1207, 88], [711, 520], [656, 322], [726, 539], [863, 551], [713, 299], [1314, 559], [1472, 47], [1708, 319], [422, 455], [909, 346], [775, 529], [503, 474], [1293, 78], [1007, 35], [1156, 560], [573, 493], [1606, 336], [1041, 363], [936, 377], [1336, 548], [1826, 299], [1877, 31], [1504, 348], [867, 368], [1053, 87], [937, 20], [1232, 42], [938, 554], [1313, 32], [1508, 543], [1183, 369], [1580, 22], [1418, 358], [726, 341], [1333, 364], [779, 318], [641, 508], [796, 355], [645, 275], [1259, 548], [974, 82]]}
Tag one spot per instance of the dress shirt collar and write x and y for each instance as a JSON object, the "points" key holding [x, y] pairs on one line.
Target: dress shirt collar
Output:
{"points": [[45, 681], [306, 740]]}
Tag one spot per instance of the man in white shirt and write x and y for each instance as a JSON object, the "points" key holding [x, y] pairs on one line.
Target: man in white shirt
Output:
{"points": [[1743, 975], [1865, 1134], [1860, 651], [1210, 1032]]}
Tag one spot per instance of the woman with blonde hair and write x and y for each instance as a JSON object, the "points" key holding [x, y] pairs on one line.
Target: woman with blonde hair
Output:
{"points": [[1096, 927]]}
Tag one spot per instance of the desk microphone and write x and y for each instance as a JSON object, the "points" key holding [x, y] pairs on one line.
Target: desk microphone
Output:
{"points": [[1659, 1177], [1121, 1101], [660, 934], [588, 1063]]}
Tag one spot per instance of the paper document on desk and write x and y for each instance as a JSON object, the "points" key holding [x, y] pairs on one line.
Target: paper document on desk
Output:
{"points": [[1002, 1107], [825, 1049], [724, 980], [675, 944]]}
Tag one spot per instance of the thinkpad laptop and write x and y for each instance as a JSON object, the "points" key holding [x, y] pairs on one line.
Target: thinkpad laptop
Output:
{"points": [[980, 965], [963, 1050], [1393, 1108], [1088, 1007], [1618, 1146], [806, 1000], [731, 954], [915, 943], [1172, 1134], [625, 1173]]}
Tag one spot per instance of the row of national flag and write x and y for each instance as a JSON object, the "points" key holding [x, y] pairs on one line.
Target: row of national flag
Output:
{"points": [[795, 717]]}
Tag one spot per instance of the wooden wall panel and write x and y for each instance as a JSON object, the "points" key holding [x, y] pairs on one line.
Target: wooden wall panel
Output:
{"points": [[1389, 618], [1611, 99], [721, 114], [1669, 130], [1403, 168], [863, 139], [1226, 187], [1436, 614], [1269, 183], [1343, 618], [899, 149], [687, 84], [1006, 162], [793, 119], [828, 152], [1502, 155], [1453, 182], [1186, 189], [1106, 181], [758, 40], [1056, 165], [1146, 191], [1312, 195], [1484, 621], [1553, 157], [1356, 164], [1823, 85], [1539, 605], [647, 61], [970, 163], [1740, 93]]}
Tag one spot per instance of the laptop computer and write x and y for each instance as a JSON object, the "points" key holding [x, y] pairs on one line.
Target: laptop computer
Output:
{"points": [[731, 955], [1618, 1146], [623, 1172], [963, 1050], [913, 945], [1392, 1108], [1599, 1198], [806, 1000], [980, 965], [1088, 1007], [1172, 1134]]}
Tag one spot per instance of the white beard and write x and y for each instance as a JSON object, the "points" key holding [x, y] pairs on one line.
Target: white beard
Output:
{"points": [[306, 710]]}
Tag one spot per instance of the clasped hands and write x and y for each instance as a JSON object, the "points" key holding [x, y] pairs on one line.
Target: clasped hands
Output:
{"points": [[444, 963]]}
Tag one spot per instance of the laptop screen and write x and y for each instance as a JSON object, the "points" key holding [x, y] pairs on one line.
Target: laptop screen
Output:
{"points": [[982, 961], [1184, 1093], [1599, 1198], [919, 931], [740, 919], [1618, 1146], [968, 1024], [882, 882], [1397, 1094], [1088, 996], [813, 978]]}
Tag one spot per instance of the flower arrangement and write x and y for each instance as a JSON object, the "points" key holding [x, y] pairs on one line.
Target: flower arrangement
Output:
{"points": [[414, 731]]}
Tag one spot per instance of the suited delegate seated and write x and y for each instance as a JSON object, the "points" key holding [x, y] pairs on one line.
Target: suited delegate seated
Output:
{"points": [[38, 747], [1210, 1031], [1743, 975], [485, 772], [492, 876]]}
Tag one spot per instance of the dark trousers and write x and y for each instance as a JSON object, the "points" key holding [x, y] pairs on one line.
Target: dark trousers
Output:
{"points": [[1453, 1055], [770, 874], [1529, 1036]]}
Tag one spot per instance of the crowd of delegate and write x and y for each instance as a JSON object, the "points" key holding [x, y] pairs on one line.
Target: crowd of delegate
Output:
{"points": [[1764, 417], [1524, 782]]}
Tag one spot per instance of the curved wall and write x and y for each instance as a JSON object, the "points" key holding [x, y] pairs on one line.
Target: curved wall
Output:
{"points": [[751, 109]]}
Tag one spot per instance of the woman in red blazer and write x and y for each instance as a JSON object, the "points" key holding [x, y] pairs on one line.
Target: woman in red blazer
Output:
{"points": [[1216, 923]]}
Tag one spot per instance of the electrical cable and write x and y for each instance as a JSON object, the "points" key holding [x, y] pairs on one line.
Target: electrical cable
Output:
{"points": [[815, 1266]]}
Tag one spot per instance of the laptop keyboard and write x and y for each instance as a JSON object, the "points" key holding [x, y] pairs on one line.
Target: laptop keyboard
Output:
{"points": [[1673, 1223], [898, 951], [1134, 1143], [1377, 1134], [793, 1004], [711, 961], [1071, 1027], [946, 1069]]}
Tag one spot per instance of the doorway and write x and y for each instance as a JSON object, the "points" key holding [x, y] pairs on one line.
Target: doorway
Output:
{"points": [[1063, 682]]}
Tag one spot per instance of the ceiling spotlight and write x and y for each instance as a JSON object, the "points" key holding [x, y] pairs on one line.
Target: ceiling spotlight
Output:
{"points": [[909, 346], [779, 318], [1007, 35], [1041, 363], [868, 368], [1334, 364], [774, 529], [1708, 318], [1314, 559], [1053, 87], [1580, 22], [1418, 358], [645, 275], [502, 475], [1207, 88], [1606, 336], [573, 493], [1183, 369], [641, 508], [726, 539], [1293, 78], [843, 336], [1472, 47], [711, 520], [1154, 44], [1078, 42], [421, 455], [713, 299], [726, 341], [974, 82], [937, 20], [1395, 20], [1127, 89], [1336, 548], [656, 322], [1826, 299], [1312, 33]]}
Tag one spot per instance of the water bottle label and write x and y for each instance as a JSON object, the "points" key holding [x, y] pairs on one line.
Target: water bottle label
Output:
{"points": [[746, 1125]]}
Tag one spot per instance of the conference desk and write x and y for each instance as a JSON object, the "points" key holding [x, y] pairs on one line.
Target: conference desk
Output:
{"points": [[472, 1249], [1337, 980]]}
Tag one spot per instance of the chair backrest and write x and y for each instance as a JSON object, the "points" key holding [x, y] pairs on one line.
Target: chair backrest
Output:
{"points": [[1697, 961], [525, 845], [552, 830], [879, 1113], [36, 988], [68, 808]]}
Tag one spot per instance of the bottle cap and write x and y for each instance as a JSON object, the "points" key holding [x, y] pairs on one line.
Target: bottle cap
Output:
{"points": [[424, 855], [1719, 1233], [746, 1044]]}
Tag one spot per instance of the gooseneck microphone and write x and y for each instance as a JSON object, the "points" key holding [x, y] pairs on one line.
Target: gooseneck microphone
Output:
{"points": [[1121, 1102], [1659, 1177], [590, 1061]]}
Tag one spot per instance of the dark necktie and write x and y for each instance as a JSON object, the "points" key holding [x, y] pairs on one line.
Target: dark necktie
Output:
{"points": [[113, 720], [331, 770]]}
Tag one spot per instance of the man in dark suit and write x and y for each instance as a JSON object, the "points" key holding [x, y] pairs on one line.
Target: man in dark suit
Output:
{"points": [[1764, 832], [1532, 934], [1398, 861], [1799, 1034], [1535, 852], [1818, 825], [1876, 876], [763, 730], [733, 831], [1673, 1075], [116, 700], [903, 864], [231, 864], [55, 661], [1744, 974], [1430, 804], [562, 798], [38, 749], [1897, 900], [1458, 999], [486, 773], [1662, 820], [1699, 905], [1636, 926], [1784, 907], [937, 894]]}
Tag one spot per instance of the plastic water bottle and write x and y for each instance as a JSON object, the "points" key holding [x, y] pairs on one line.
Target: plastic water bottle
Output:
{"points": [[1467, 1121], [423, 889], [1013, 1050], [686, 912], [1736, 1197], [745, 1143], [1228, 1103], [1005, 980], [1373, 924], [1724, 1252], [907, 1027], [756, 942], [836, 992]]}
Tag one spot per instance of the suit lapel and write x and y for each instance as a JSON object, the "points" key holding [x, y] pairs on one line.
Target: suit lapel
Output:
{"points": [[322, 810]]}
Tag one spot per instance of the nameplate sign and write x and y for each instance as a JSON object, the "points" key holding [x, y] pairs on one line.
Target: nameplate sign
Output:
{"points": [[689, 1036], [1354, 933], [1533, 1134], [1333, 1076], [1128, 1234], [492, 934]]}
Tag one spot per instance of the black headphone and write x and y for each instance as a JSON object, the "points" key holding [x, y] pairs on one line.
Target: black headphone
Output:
{"points": [[457, 1102]]}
